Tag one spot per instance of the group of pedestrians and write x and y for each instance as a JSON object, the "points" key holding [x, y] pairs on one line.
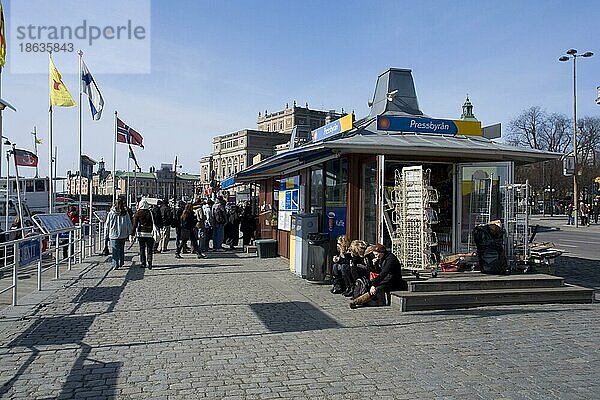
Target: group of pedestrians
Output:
{"points": [[586, 213], [206, 224]]}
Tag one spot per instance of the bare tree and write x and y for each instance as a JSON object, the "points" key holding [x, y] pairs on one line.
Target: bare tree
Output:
{"points": [[525, 130]]}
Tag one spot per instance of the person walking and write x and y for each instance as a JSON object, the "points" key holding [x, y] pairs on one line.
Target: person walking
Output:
{"points": [[219, 217], [208, 228], [177, 222], [166, 215], [232, 226], [157, 221], [188, 224], [596, 210], [118, 226], [143, 225], [247, 225], [570, 220]]}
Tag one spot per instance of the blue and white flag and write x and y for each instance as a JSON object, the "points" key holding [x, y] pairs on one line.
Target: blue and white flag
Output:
{"points": [[90, 88]]}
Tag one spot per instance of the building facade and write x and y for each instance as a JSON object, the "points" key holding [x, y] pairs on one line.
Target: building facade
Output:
{"points": [[236, 151], [286, 119], [156, 183]]}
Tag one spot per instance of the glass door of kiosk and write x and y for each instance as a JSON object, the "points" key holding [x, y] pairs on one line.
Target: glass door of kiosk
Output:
{"points": [[469, 190]]}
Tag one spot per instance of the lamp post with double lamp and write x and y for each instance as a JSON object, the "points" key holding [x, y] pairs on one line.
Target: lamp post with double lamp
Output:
{"points": [[573, 54]]}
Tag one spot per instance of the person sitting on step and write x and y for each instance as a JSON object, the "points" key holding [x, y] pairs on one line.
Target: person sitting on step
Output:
{"points": [[388, 279], [340, 262]]}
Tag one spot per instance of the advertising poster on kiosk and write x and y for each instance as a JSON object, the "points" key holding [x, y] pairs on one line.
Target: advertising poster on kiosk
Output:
{"points": [[335, 222], [289, 201]]}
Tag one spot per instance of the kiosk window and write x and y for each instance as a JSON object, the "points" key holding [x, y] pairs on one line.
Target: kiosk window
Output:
{"points": [[29, 186], [316, 191]]}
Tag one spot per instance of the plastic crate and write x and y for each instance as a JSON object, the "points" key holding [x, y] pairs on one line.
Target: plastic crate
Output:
{"points": [[266, 248]]}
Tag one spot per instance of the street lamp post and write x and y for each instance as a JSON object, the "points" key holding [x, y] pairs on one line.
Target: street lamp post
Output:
{"points": [[572, 54]]}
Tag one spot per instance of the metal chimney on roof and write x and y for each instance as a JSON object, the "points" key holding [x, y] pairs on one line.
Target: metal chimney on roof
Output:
{"points": [[395, 94]]}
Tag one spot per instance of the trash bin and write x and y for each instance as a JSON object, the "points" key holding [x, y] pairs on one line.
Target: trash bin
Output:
{"points": [[266, 248], [318, 244]]}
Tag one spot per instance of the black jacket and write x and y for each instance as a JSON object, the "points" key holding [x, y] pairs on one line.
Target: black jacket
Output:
{"points": [[142, 221], [390, 276], [188, 221]]}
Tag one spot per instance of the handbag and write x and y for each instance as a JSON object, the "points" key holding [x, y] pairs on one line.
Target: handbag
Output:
{"points": [[155, 231]]}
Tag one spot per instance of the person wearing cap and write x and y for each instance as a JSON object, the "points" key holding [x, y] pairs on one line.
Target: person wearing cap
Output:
{"points": [[388, 279]]}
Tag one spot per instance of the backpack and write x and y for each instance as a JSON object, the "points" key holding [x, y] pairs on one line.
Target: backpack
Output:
{"points": [[361, 286], [219, 216]]}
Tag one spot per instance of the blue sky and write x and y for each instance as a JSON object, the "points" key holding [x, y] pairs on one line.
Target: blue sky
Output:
{"points": [[216, 64]]}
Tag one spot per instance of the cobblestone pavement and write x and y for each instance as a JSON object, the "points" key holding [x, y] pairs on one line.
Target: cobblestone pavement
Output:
{"points": [[239, 327]]}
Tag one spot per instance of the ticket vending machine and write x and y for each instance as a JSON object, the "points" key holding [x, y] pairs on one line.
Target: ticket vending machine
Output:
{"points": [[305, 224]]}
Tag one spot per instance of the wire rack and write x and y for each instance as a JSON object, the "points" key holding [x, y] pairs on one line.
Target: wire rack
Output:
{"points": [[480, 207], [516, 222], [412, 217]]}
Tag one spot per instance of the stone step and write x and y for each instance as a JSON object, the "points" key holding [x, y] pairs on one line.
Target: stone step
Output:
{"points": [[417, 301], [485, 282]]}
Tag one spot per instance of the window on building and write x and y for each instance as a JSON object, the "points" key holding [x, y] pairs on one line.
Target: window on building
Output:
{"points": [[29, 186], [40, 185]]}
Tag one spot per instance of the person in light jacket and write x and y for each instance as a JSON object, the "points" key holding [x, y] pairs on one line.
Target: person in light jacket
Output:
{"points": [[118, 226]]}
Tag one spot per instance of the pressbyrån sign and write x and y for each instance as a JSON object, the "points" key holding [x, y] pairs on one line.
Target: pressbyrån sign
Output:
{"points": [[333, 128], [428, 125]]}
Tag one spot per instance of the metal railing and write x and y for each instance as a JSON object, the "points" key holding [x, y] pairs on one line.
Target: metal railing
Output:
{"points": [[64, 247]]}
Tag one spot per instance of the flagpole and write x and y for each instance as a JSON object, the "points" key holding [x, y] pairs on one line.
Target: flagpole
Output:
{"points": [[80, 138], [50, 169], [7, 187], [1, 133], [35, 143], [128, 191], [115, 162], [135, 183]]}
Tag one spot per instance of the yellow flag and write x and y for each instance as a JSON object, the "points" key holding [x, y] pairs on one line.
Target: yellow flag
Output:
{"points": [[2, 38], [59, 95]]}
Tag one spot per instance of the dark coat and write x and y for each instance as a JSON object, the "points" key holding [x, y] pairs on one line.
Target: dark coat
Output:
{"points": [[142, 221], [390, 276]]}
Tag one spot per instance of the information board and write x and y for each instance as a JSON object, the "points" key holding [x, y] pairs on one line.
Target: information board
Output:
{"points": [[51, 223], [29, 252]]}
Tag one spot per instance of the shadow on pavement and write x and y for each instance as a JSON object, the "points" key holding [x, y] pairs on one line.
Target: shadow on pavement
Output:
{"points": [[293, 316], [579, 271], [88, 377]]}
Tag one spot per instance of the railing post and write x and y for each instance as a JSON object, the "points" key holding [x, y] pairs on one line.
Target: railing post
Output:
{"points": [[56, 261], [70, 247], [15, 268], [39, 265]]}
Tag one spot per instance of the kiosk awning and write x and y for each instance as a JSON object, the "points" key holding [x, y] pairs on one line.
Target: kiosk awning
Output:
{"points": [[227, 183], [457, 148], [288, 161], [410, 146]]}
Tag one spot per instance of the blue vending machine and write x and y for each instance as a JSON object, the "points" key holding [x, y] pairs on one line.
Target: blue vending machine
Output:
{"points": [[305, 225]]}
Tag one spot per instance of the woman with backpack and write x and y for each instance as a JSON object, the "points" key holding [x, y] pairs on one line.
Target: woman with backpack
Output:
{"points": [[143, 225]]}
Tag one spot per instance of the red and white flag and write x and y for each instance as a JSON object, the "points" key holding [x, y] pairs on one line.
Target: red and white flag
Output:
{"points": [[25, 158], [126, 134]]}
